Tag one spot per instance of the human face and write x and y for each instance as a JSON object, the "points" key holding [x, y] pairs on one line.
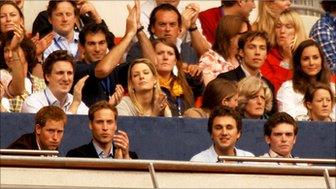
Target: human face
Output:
{"points": [[166, 25], [285, 33], [60, 79], [255, 106], [254, 53], [172, 2], [63, 19], [142, 77], [231, 102], [8, 56], [224, 135], [103, 126], [321, 106], [50, 136], [246, 7], [311, 61], [95, 47], [280, 5], [9, 16], [282, 139], [166, 58]]}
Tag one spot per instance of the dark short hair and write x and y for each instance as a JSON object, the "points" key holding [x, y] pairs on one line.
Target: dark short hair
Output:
{"points": [[221, 111], [250, 36], [50, 113], [162, 7], [52, 5], [27, 46], [278, 118], [59, 55], [328, 5], [228, 3], [94, 28], [103, 104]]}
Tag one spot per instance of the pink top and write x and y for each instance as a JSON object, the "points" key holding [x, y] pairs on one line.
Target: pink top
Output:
{"points": [[212, 64]]}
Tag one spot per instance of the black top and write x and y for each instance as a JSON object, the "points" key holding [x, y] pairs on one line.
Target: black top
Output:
{"points": [[89, 151], [25, 142], [96, 89]]}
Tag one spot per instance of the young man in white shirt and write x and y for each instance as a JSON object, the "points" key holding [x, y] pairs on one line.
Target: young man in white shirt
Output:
{"points": [[58, 71], [225, 128]]}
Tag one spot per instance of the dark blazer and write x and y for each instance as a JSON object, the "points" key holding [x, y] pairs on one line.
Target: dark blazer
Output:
{"points": [[238, 74], [88, 151], [25, 142]]}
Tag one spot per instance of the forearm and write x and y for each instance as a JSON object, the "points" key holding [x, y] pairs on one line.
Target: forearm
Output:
{"points": [[16, 86], [199, 43], [113, 58], [146, 47], [74, 107]]}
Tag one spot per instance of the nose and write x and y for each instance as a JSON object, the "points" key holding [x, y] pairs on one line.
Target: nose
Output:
{"points": [[104, 127], [224, 131], [64, 18], [257, 51], [55, 137], [167, 28], [282, 29], [325, 103], [96, 47]]}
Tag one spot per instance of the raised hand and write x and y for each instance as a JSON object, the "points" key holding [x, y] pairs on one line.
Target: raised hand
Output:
{"points": [[121, 143], [117, 95], [17, 38], [133, 18], [86, 8], [77, 94], [160, 103], [44, 43]]}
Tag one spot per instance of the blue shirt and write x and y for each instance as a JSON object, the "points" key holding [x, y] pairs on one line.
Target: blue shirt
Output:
{"points": [[61, 43], [324, 32]]}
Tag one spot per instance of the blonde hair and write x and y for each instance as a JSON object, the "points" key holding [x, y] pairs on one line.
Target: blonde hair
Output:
{"points": [[131, 92], [294, 18], [250, 86]]}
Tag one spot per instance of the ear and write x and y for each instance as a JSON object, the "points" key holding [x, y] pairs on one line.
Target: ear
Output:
{"points": [[240, 2], [241, 53], [38, 129], [224, 102], [152, 29], [294, 140], [309, 105], [47, 77], [267, 139], [238, 136], [90, 125]]}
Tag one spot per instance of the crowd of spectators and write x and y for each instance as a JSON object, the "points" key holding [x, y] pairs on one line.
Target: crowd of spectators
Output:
{"points": [[187, 64]]}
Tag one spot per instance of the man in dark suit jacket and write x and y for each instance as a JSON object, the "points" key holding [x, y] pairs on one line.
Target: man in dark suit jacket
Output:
{"points": [[107, 141], [252, 49], [48, 133]]}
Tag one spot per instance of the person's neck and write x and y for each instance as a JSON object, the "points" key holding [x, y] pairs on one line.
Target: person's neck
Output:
{"points": [[69, 36], [106, 147], [225, 152], [233, 60], [319, 118], [247, 115], [59, 96], [251, 71], [145, 100], [230, 10]]}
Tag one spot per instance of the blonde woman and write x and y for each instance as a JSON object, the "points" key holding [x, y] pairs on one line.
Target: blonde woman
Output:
{"points": [[288, 34], [255, 98], [145, 95]]}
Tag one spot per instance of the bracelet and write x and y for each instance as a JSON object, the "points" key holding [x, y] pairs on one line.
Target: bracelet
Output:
{"points": [[140, 29], [191, 29]]}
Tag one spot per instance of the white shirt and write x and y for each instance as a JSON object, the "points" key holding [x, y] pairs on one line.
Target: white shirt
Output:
{"points": [[45, 98], [100, 151], [210, 155], [291, 102]]}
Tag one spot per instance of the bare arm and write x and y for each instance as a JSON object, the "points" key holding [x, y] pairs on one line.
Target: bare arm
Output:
{"points": [[113, 58]]}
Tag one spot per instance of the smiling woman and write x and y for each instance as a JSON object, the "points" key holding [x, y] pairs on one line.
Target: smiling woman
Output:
{"points": [[309, 67]]}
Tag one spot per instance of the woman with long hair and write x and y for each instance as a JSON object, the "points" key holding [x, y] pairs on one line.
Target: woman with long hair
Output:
{"points": [[223, 55], [145, 95], [309, 67], [172, 79]]}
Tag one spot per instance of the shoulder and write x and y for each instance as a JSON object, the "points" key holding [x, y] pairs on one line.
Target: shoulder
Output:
{"points": [[86, 150], [205, 156], [26, 141], [211, 11], [195, 113], [126, 107], [240, 152]]}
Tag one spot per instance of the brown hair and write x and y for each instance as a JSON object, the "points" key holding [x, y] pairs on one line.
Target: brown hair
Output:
{"points": [[224, 34], [217, 90], [221, 111], [99, 106], [7, 2], [181, 78], [278, 118], [52, 5], [49, 113], [311, 90]]}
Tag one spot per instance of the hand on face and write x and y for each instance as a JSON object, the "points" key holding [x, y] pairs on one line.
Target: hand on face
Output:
{"points": [[121, 143]]}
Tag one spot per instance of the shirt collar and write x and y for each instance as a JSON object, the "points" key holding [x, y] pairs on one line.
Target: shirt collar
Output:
{"points": [[273, 154], [52, 100], [58, 37], [247, 73], [100, 151]]}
